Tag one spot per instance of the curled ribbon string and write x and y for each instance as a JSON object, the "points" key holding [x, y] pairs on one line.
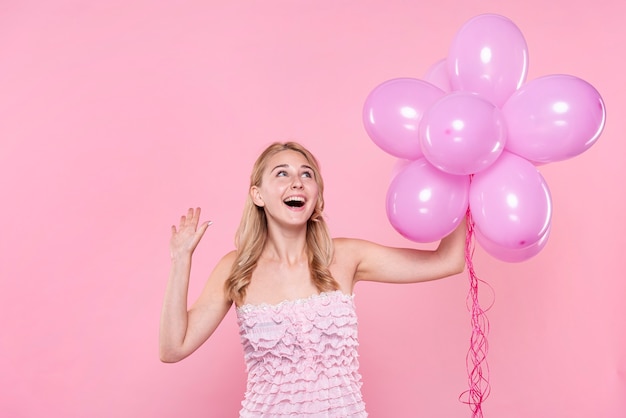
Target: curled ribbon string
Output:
{"points": [[476, 358]]}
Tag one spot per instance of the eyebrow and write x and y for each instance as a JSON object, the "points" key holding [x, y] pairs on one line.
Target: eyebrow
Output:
{"points": [[287, 165]]}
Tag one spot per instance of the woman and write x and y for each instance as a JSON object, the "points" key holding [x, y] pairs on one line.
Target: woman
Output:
{"points": [[292, 287]]}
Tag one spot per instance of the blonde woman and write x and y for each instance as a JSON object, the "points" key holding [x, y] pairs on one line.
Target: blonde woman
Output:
{"points": [[292, 287]]}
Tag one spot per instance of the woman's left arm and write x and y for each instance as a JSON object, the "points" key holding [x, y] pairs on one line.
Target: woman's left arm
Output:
{"points": [[379, 263]]}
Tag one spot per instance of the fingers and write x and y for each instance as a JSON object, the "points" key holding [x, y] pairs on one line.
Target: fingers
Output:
{"points": [[195, 216], [204, 226], [186, 237], [192, 218], [199, 233]]}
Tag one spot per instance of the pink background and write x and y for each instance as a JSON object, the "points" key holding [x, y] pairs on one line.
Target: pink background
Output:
{"points": [[116, 116]]}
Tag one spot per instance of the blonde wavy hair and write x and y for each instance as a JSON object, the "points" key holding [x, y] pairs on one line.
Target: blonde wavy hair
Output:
{"points": [[252, 232]]}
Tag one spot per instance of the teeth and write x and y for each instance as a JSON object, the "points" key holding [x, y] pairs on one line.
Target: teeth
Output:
{"points": [[294, 199]]}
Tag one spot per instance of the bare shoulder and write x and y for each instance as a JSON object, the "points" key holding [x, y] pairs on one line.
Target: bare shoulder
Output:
{"points": [[213, 293], [344, 265], [352, 247], [351, 251], [224, 266], [344, 246], [353, 257], [228, 259]]}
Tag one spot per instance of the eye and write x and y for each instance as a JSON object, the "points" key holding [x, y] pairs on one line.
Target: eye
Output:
{"points": [[281, 173], [307, 174]]}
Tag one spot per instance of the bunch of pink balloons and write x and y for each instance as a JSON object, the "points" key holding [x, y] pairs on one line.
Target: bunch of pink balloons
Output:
{"points": [[471, 135]]}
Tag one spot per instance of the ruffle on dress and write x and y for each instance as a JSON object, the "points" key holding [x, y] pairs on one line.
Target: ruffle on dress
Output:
{"points": [[302, 359]]}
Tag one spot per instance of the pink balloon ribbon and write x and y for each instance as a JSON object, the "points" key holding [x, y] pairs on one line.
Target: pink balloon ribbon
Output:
{"points": [[476, 358]]}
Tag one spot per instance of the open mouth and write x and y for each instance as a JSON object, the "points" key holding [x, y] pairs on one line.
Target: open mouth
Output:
{"points": [[295, 201]]}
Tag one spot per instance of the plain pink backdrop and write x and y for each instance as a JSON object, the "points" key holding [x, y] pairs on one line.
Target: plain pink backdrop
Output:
{"points": [[116, 116]]}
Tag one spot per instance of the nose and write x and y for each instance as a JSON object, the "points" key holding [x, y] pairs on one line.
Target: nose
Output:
{"points": [[297, 183]]}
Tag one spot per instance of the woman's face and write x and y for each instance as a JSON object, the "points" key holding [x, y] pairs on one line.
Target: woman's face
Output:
{"points": [[288, 190]]}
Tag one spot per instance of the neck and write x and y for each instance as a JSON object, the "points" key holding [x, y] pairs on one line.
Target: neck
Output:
{"points": [[286, 247]]}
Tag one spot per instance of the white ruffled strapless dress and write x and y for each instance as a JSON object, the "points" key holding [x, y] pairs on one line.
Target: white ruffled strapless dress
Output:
{"points": [[301, 357]]}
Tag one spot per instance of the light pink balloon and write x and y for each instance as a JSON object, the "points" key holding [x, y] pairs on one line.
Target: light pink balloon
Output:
{"points": [[488, 56], [510, 255], [425, 204], [462, 133], [553, 118], [510, 203], [437, 75], [393, 111]]}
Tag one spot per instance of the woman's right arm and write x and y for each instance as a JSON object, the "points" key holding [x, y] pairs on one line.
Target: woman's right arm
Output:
{"points": [[183, 330]]}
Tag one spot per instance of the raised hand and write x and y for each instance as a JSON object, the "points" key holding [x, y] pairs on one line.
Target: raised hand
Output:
{"points": [[185, 239]]}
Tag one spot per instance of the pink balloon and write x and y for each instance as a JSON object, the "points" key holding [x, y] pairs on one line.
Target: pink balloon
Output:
{"points": [[462, 133], [510, 203], [553, 118], [510, 255], [393, 111], [437, 75], [488, 56], [425, 204]]}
